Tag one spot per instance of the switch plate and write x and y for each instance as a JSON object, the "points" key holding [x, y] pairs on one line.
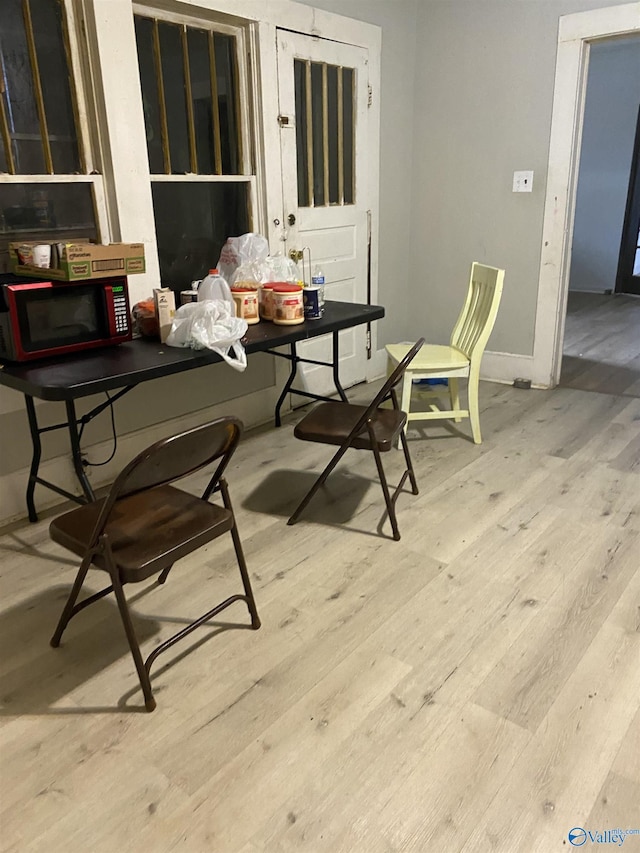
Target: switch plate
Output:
{"points": [[522, 182]]}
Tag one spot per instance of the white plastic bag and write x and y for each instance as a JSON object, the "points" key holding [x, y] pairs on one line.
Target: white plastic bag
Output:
{"points": [[210, 325], [277, 268], [239, 250]]}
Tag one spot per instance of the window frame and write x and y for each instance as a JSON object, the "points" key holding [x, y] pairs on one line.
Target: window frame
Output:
{"points": [[244, 92], [246, 108], [86, 130]]}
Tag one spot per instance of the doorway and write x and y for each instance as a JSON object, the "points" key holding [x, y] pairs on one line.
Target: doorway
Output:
{"points": [[576, 33], [323, 102], [602, 327], [628, 279]]}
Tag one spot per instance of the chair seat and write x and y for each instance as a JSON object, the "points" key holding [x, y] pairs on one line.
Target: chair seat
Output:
{"points": [[180, 523], [331, 423], [431, 358]]}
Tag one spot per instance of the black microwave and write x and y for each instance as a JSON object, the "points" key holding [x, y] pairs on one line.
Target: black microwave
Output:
{"points": [[46, 318]]}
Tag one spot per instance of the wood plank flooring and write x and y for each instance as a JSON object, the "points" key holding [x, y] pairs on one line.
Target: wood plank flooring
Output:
{"points": [[474, 687], [601, 349]]}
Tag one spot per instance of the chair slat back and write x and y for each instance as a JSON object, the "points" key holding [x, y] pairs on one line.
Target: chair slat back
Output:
{"points": [[384, 392], [173, 458], [179, 455], [478, 315]]}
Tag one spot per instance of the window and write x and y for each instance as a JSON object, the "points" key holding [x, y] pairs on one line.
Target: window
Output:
{"points": [[325, 133], [47, 189], [193, 84]]}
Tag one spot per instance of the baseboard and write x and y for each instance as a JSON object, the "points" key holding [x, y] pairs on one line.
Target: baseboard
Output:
{"points": [[502, 367]]}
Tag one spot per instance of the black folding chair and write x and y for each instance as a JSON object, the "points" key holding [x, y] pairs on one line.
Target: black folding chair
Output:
{"points": [[144, 525], [364, 428]]}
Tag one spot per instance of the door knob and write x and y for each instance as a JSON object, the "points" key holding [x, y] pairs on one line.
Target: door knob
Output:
{"points": [[295, 254], [291, 219]]}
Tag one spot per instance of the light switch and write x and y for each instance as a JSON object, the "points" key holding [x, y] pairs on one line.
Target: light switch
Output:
{"points": [[522, 182]]}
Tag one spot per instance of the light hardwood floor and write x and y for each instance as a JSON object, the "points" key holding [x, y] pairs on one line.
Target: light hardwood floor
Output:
{"points": [[474, 687], [601, 349]]}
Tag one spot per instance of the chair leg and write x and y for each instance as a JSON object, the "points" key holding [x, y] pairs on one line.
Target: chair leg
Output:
{"points": [[244, 573], [385, 490], [474, 406], [405, 403], [143, 675], [412, 476], [165, 574], [319, 482], [454, 395], [68, 611]]}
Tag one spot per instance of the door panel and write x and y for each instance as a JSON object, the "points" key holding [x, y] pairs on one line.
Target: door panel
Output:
{"points": [[628, 278], [323, 91]]}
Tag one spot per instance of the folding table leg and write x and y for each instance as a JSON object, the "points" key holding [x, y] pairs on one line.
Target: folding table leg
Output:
{"points": [[36, 445], [336, 368], [293, 358], [76, 453]]}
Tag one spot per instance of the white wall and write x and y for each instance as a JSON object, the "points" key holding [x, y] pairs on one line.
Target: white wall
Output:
{"points": [[611, 112]]}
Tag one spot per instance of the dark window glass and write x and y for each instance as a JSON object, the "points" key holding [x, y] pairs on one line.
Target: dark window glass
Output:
{"points": [[206, 127], [317, 129], [193, 220], [175, 96], [47, 212], [149, 84], [348, 80], [300, 78], [24, 123], [19, 95], [54, 76], [200, 73], [332, 123], [227, 85]]}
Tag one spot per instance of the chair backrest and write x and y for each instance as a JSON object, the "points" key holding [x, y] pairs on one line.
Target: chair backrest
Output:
{"points": [[473, 327], [173, 458], [392, 380]]}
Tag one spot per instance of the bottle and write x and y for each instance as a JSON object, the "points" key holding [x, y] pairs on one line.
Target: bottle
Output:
{"points": [[317, 279], [314, 303], [214, 286]]}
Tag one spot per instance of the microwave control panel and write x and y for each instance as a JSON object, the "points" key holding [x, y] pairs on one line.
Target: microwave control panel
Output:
{"points": [[121, 312], [118, 309]]}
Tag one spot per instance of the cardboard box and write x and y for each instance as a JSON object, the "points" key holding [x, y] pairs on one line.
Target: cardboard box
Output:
{"points": [[76, 261], [165, 302]]}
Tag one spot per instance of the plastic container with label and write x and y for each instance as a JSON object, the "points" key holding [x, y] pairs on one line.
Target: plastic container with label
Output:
{"points": [[265, 300], [313, 298], [246, 302], [288, 306], [213, 286]]}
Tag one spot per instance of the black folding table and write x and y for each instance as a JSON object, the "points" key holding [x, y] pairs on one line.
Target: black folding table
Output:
{"points": [[122, 367]]}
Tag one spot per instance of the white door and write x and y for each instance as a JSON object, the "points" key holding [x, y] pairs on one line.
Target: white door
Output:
{"points": [[323, 95]]}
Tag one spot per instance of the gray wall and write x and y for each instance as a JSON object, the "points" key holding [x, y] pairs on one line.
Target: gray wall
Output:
{"points": [[611, 112], [482, 75]]}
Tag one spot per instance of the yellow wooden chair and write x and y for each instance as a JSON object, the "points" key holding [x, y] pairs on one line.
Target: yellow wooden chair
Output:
{"points": [[461, 358]]}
